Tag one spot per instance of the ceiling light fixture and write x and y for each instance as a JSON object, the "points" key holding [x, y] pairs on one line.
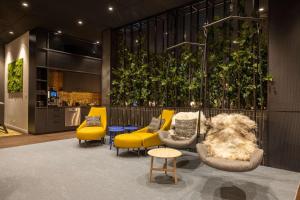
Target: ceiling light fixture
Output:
{"points": [[25, 4], [80, 22], [97, 42], [58, 32], [261, 9], [110, 8], [11, 32]]}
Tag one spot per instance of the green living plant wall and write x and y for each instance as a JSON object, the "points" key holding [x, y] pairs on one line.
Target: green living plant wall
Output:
{"points": [[15, 76], [175, 78]]}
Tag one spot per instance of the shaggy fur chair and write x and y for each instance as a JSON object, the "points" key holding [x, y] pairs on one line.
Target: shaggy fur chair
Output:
{"points": [[231, 136]]}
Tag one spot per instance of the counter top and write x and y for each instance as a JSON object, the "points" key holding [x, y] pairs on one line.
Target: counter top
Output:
{"points": [[62, 107]]}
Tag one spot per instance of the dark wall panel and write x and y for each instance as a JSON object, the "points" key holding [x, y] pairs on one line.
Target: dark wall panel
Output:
{"points": [[74, 63], [284, 95], [284, 57], [284, 141], [2, 52], [79, 82], [1, 83]]}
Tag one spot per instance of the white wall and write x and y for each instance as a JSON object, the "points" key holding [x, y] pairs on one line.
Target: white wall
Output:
{"points": [[16, 105]]}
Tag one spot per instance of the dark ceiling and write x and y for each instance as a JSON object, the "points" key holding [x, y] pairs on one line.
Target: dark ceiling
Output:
{"points": [[63, 15]]}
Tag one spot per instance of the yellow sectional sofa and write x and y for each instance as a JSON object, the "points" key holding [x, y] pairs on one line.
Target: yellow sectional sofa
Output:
{"points": [[142, 138], [95, 132]]}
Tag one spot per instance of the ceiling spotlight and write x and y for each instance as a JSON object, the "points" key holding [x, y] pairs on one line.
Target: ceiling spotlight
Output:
{"points": [[136, 41], [11, 32], [97, 42], [58, 32], [25, 4], [261, 9], [80, 22], [110, 8], [235, 42]]}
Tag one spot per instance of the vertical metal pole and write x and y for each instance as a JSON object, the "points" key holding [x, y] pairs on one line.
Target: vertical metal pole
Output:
{"points": [[191, 49], [131, 37], [155, 36], [163, 35], [148, 41], [176, 41], [167, 67]]}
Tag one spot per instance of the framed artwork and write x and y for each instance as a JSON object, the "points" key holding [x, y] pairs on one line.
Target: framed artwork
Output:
{"points": [[15, 76]]}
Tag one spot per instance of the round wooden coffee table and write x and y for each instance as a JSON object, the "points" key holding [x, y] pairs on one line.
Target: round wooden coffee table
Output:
{"points": [[164, 153]]}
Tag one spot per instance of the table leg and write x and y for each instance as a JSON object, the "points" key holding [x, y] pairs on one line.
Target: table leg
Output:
{"points": [[166, 166], [110, 140], [174, 170], [151, 167]]}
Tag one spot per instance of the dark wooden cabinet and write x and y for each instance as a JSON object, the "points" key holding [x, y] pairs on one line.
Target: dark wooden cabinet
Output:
{"points": [[56, 119], [41, 120], [50, 120], [75, 63]]}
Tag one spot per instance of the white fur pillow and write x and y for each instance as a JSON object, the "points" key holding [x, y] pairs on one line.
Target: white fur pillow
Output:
{"points": [[189, 116], [231, 136]]}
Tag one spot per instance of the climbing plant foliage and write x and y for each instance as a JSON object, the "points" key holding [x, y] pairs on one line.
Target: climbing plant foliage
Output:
{"points": [[236, 71]]}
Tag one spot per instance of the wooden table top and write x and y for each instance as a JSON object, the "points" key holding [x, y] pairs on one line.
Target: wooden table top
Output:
{"points": [[164, 153]]}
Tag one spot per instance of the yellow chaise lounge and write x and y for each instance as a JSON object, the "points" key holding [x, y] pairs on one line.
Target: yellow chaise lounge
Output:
{"points": [[94, 132], [142, 138]]}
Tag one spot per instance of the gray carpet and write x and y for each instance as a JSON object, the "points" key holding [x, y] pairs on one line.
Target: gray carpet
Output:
{"points": [[62, 170]]}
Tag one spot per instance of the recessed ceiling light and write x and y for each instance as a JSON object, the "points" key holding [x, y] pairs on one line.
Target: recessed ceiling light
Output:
{"points": [[58, 32], [136, 41], [25, 4], [110, 8], [97, 42], [80, 22], [235, 42], [261, 9], [11, 32]]}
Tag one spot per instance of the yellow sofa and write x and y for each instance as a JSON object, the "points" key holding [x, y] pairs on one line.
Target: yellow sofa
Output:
{"points": [[142, 138], [95, 132]]}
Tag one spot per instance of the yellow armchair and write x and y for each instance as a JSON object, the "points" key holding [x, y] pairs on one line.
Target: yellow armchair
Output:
{"points": [[152, 139], [143, 138], [95, 132]]}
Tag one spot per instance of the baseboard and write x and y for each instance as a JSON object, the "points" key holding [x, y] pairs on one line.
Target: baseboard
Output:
{"points": [[16, 128]]}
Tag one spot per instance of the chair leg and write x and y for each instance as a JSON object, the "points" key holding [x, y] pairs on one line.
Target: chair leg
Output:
{"points": [[117, 151], [138, 151], [79, 141], [146, 151]]}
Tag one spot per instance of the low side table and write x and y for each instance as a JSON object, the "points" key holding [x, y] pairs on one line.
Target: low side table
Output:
{"points": [[130, 128], [113, 131], [164, 153]]}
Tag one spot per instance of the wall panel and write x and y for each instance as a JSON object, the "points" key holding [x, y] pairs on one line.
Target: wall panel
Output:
{"points": [[284, 93]]}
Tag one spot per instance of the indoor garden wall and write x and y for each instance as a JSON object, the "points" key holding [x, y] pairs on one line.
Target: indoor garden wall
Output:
{"points": [[147, 73]]}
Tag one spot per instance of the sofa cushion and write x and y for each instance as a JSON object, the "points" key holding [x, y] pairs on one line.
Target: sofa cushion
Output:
{"points": [[155, 124], [93, 121], [184, 129]]}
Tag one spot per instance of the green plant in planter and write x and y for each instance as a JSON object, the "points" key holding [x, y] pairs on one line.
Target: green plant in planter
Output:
{"points": [[15, 76]]}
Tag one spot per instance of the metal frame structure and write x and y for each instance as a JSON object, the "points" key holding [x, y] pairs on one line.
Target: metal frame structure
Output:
{"points": [[180, 26]]}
